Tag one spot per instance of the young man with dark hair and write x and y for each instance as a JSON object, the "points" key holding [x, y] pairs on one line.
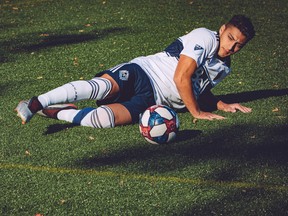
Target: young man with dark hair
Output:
{"points": [[185, 71]]}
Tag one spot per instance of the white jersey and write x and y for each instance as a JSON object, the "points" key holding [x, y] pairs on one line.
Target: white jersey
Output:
{"points": [[201, 44]]}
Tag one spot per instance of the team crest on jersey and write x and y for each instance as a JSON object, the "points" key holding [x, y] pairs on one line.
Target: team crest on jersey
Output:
{"points": [[198, 49], [123, 75]]}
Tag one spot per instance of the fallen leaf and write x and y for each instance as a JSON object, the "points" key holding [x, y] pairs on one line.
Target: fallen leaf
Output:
{"points": [[62, 202], [75, 61], [121, 182], [275, 86], [275, 110], [281, 117], [27, 153], [44, 35], [91, 138]]}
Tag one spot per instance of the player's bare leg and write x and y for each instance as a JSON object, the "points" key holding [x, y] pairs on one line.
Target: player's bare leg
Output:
{"points": [[121, 114]]}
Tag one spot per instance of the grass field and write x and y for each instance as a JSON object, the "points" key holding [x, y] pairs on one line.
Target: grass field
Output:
{"points": [[237, 166]]}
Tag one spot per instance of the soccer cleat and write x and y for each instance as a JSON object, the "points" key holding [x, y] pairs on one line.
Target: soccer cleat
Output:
{"points": [[26, 109], [52, 110]]}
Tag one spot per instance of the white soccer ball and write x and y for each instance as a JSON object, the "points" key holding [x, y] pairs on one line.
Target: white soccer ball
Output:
{"points": [[159, 124]]}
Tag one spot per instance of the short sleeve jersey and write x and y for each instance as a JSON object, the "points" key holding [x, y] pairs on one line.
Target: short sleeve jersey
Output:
{"points": [[201, 45]]}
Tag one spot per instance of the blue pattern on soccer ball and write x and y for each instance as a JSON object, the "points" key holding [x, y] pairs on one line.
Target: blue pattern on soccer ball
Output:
{"points": [[155, 119], [161, 139]]}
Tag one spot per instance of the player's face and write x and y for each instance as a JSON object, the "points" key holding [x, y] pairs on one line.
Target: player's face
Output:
{"points": [[231, 40]]}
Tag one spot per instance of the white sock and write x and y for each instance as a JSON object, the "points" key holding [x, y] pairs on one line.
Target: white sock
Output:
{"points": [[101, 117], [67, 115], [97, 89]]}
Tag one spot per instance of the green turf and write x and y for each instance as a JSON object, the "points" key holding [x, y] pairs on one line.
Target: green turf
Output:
{"points": [[233, 167]]}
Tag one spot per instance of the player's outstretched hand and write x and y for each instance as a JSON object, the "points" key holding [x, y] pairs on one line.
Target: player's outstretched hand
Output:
{"points": [[233, 107], [208, 116]]}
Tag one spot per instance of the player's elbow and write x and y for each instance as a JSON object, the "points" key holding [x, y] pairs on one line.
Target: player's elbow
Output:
{"points": [[181, 81], [178, 80]]}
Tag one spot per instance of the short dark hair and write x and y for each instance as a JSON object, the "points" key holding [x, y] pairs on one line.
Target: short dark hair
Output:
{"points": [[244, 24]]}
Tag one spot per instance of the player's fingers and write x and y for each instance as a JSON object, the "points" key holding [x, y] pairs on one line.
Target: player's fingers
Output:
{"points": [[244, 109], [218, 117], [209, 116], [233, 110], [230, 108], [248, 109]]}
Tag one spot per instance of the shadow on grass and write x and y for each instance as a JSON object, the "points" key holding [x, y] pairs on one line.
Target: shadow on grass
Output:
{"points": [[253, 95], [55, 128], [137, 154], [243, 202], [238, 143], [59, 40], [49, 40], [244, 97]]}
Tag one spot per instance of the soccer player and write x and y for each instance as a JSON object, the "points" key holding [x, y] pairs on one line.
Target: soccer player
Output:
{"points": [[179, 76]]}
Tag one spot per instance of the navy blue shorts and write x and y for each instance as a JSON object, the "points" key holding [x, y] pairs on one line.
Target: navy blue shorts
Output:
{"points": [[136, 92]]}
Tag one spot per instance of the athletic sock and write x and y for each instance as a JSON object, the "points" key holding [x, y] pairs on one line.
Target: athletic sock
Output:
{"points": [[97, 89], [101, 117], [67, 115]]}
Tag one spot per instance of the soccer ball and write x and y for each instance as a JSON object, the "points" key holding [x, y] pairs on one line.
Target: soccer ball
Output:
{"points": [[159, 124]]}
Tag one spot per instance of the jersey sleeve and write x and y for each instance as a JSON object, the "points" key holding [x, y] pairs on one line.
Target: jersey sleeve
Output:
{"points": [[199, 44]]}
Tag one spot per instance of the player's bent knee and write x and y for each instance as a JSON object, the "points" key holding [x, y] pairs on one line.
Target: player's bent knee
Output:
{"points": [[122, 115], [101, 117], [101, 87]]}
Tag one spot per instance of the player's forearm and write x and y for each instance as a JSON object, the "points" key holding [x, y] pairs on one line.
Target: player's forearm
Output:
{"points": [[187, 95], [192, 105], [182, 78]]}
